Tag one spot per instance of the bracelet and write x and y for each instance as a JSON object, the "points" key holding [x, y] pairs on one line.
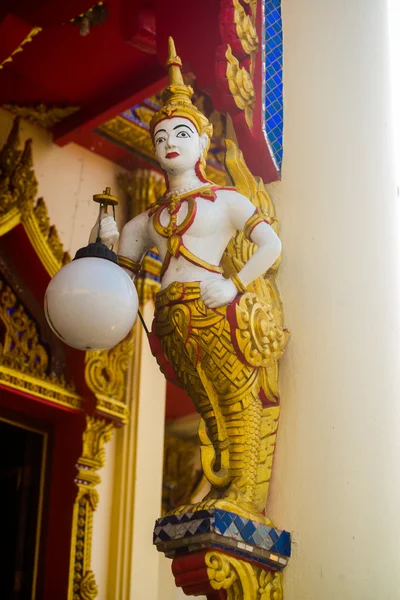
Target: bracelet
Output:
{"points": [[128, 263], [252, 222], [239, 283]]}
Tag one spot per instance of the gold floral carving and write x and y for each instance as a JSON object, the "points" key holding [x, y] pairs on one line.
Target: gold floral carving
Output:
{"points": [[242, 580], [34, 31], [23, 358], [245, 28], [82, 584], [240, 80], [106, 376], [266, 342], [240, 86], [41, 114], [88, 587], [18, 189]]}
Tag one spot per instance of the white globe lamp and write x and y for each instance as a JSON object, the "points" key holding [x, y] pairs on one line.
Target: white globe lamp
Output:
{"points": [[91, 303]]}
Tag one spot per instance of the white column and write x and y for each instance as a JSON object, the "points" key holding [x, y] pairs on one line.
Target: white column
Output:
{"points": [[336, 482], [149, 460]]}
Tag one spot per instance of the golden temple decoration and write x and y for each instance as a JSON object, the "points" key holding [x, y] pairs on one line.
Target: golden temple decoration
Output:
{"points": [[245, 28], [240, 86], [179, 475], [18, 189], [106, 376], [42, 115], [34, 31], [24, 360], [88, 589], [82, 583], [242, 580]]}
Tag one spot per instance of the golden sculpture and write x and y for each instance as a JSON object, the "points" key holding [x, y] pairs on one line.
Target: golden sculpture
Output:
{"points": [[223, 353]]}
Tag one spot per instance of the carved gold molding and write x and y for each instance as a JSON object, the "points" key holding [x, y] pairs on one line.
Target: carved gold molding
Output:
{"points": [[240, 78], [41, 114], [34, 31], [106, 376], [18, 189], [240, 86], [82, 583], [242, 580], [245, 27], [24, 360]]}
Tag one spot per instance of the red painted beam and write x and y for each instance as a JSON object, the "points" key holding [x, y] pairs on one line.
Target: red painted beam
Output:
{"points": [[109, 106]]}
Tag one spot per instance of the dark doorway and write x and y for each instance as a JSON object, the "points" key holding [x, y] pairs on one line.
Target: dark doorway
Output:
{"points": [[23, 459]]}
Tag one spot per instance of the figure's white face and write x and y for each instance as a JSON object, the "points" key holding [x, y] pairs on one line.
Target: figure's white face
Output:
{"points": [[177, 145]]}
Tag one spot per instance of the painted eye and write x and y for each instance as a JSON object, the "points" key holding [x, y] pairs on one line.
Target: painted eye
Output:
{"points": [[183, 134], [160, 139]]}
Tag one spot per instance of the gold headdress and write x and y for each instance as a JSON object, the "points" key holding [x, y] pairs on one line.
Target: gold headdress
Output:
{"points": [[177, 100]]}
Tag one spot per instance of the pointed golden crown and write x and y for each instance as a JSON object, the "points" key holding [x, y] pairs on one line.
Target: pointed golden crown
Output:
{"points": [[177, 97]]}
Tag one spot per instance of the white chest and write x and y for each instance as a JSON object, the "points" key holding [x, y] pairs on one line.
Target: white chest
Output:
{"points": [[199, 218]]}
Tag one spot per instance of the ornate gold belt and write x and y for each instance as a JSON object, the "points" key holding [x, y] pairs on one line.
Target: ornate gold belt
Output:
{"points": [[178, 292]]}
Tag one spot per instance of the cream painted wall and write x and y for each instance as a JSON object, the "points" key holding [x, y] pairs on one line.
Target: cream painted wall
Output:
{"points": [[336, 482], [147, 573]]}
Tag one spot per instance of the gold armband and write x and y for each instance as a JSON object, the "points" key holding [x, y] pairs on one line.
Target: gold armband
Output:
{"points": [[128, 263], [239, 283], [251, 223]]}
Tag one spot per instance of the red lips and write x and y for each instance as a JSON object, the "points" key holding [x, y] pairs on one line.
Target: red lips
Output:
{"points": [[171, 154]]}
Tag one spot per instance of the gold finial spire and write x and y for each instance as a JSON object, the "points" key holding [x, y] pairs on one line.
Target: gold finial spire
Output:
{"points": [[174, 60], [176, 91]]}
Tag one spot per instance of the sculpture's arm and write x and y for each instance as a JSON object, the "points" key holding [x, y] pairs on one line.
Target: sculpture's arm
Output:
{"points": [[135, 241], [269, 244], [216, 293]]}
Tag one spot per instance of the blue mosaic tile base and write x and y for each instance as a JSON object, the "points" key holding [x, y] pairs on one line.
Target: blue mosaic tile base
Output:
{"points": [[216, 528]]}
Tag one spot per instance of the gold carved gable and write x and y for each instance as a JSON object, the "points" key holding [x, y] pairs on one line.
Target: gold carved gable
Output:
{"points": [[18, 190], [24, 359]]}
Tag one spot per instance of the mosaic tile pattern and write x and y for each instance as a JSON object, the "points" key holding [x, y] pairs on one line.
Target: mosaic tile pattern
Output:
{"points": [[273, 79], [215, 528]]}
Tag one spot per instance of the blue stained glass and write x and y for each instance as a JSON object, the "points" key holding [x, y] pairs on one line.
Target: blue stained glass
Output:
{"points": [[273, 78]]}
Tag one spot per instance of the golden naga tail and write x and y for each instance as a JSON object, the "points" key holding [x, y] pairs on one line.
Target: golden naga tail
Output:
{"points": [[245, 435]]}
